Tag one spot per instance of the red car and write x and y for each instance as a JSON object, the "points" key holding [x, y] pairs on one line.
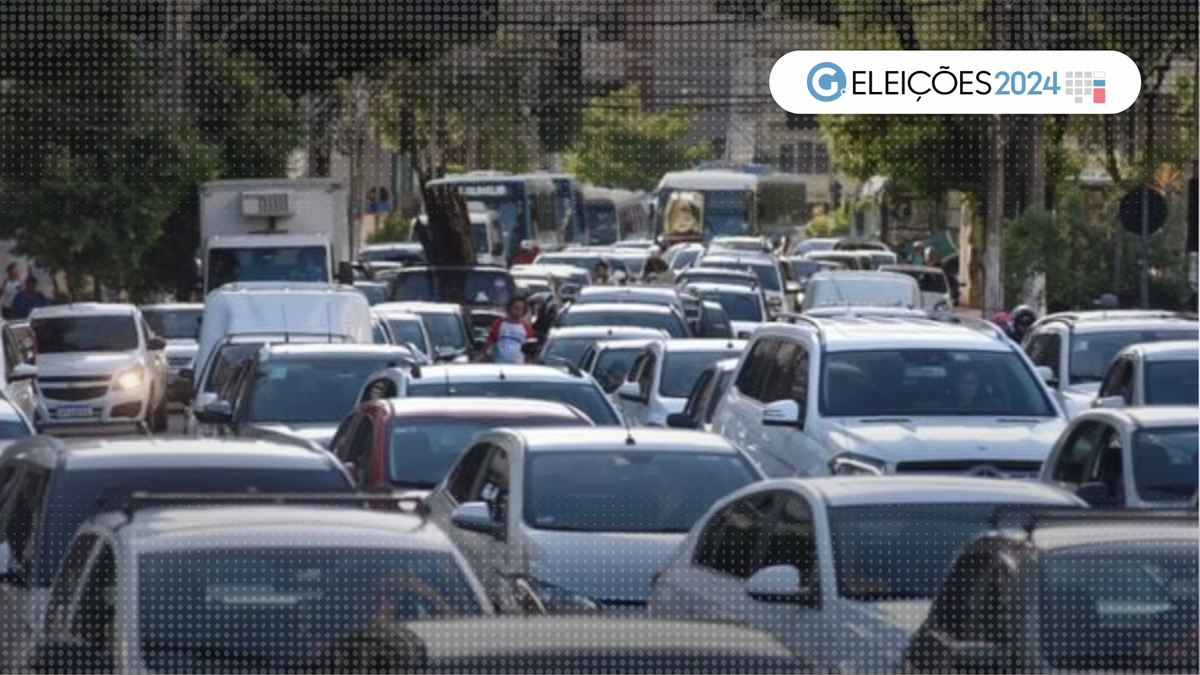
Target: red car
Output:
{"points": [[410, 443]]}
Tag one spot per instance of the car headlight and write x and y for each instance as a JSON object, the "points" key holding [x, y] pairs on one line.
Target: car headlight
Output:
{"points": [[130, 378], [854, 465], [557, 600]]}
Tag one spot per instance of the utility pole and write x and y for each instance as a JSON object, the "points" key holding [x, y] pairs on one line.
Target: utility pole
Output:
{"points": [[993, 278], [177, 26]]}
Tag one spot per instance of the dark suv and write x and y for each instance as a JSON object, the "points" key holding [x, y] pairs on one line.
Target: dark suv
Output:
{"points": [[49, 487]]}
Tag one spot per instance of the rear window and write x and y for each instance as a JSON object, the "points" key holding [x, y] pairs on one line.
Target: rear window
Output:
{"points": [[226, 361], [929, 282], [174, 324], [767, 273], [461, 287], [78, 495], [672, 324], [86, 334], [584, 396]]}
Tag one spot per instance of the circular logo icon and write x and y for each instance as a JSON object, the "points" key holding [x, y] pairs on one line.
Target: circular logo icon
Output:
{"points": [[826, 82]]}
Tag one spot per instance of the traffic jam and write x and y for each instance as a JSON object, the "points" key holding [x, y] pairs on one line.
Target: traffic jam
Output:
{"points": [[654, 439]]}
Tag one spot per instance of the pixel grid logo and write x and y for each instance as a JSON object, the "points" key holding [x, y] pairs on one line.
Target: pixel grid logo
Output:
{"points": [[1085, 84]]}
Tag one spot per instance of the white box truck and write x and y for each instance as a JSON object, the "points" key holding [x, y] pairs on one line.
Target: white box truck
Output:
{"points": [[274, 230]]}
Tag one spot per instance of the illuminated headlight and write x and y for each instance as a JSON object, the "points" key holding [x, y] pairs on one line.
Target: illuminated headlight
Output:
{"points": [[846, 465], [130, 378]]}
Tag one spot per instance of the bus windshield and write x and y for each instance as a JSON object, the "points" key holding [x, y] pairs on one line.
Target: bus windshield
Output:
{"points": [[726, 213], [503, 198]]}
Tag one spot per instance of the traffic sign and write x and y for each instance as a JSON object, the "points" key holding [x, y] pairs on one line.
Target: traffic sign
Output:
{"points": [[1130, 211]]}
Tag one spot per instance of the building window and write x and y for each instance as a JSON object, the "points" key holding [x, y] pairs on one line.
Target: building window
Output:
{"points": [[787, 158], [811, 158]]}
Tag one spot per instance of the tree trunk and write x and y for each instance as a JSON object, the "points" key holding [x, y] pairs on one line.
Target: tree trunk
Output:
{"points": [[993, 282]]}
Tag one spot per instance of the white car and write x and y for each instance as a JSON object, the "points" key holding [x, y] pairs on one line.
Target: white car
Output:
{"points": [[17, 376], [745, 307], [765, 267], [935, 287], [407, 329], [861, 289], [662, 376], [1136, 458], [1078, 347], [179, 325], [841, 570], [99, 364], [583, 515], [882, 394], [1153, 374]]}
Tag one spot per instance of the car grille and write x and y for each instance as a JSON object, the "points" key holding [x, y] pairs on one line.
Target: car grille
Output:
{"points": [[1001, 469], [74, 393]]}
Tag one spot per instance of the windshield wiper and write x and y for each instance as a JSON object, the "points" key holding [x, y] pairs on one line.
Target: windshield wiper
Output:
{"points": [[210, 652], [885, 420]]}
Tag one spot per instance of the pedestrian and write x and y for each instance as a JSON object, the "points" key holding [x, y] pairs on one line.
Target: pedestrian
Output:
{"points": [[527, 253], [29, 299], [12, 287], [507, 337], [657, 271], [1023, 318], [602, 273]]}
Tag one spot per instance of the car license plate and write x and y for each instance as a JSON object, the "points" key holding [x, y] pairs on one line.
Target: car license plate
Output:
{"points": [[74, 413]]}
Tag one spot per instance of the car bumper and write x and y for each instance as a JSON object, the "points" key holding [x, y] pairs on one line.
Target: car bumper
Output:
{"points": [[117, 406]]}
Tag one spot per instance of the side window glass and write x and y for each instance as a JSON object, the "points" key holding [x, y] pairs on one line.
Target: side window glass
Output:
{"points": [[1078, 453], [1053, 353], [958, 604], [68, 580], [985, 606], [701, 393], [777, 381], [792, 540], [464, 476], [20, 531], [12, 356], [800, 379], [645, 379], [1110, 465], [731, 544], [635, 369], [360, 449], [494, 489], [751, 380], [96, 617], [342, 437]]}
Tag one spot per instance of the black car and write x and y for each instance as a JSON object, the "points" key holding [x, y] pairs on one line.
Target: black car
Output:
{"points": [[49, 487]]}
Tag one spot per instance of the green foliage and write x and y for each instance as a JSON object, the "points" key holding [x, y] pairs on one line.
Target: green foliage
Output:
{"points": [[395, 228], [624, 146]]}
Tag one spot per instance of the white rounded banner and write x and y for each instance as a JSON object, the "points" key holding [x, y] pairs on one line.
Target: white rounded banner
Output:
{"points": [[953, 82]]}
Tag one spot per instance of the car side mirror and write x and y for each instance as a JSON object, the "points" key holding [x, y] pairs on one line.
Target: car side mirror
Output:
{"points": [[784, 413], [681, 421], [156, 344], [70, 657], [216, 412], [23, 371], [978, 657], [777, 583], [1109, 402], [476, 517], [630, 391], [793, 287], [1047, 375], [1098, 495], [345, 273]]}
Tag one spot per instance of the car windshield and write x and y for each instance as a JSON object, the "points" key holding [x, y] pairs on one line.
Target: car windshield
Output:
{"points": [[445, 330], [567, 349], [256, 608], [174, 324], [901, 552], [86, 334], [479, 286], [420, 452], [682, 369], [313, 391], [697, 276], [226, 361], [636, 491], [1120, 608], [480, 232], [867, 292], [83, 494], [267, 263], [408, 329], [766, 272], [726, 212], [929, 382], [1092, 353], [671, 323], [1165, 465], [612, 366], [583, 396], [738, 306], [407, 255], [1172, 383]]}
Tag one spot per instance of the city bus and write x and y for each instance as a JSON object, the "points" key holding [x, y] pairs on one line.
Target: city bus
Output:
{"points": [[610, 216], [568, 205], [701, 204], [525, 205]]}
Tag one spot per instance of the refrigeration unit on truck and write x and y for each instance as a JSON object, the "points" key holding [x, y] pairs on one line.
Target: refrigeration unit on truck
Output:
{"points": [[274, 230]]}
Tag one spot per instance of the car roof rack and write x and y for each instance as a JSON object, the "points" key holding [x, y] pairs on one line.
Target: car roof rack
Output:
{"points": [[141, 499], [1031, 519]]}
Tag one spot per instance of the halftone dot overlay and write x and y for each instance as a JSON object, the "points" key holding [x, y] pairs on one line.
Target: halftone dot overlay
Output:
{"points": [[113, 113]]}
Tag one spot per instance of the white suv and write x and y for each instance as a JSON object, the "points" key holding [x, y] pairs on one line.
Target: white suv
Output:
{"points": [[99, 364], [881, 394]]}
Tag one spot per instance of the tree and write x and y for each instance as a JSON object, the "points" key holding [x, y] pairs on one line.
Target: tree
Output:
{"points": [[623, 146]]}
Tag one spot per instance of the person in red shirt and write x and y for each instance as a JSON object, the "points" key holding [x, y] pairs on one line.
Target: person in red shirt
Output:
{"points": [[508, 335], [527, 254]]}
